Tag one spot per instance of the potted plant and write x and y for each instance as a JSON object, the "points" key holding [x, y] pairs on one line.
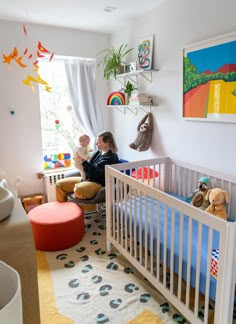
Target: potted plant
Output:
{"points": [[129, 87], [112, 59]]}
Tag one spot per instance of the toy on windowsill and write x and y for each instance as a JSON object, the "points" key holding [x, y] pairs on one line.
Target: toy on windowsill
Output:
{"points": [[217, 198], [199, 197]]}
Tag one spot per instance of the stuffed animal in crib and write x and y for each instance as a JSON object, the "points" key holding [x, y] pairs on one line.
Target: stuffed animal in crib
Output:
{"points": [[218, 197], [199, 197], [144, 135]]}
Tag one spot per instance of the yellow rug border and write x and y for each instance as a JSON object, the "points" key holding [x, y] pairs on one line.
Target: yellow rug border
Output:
{"points": [[48, 311], [147, 317]]}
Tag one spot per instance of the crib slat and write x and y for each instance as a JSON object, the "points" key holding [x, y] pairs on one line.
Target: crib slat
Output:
{"points": [[208, 276], [158, 241], [172, 251], [146, 233], [140, 229], [135, 224], [151, 235], [180, 257], [126, 217], [189, 262], [165, 246], [196, 297]]}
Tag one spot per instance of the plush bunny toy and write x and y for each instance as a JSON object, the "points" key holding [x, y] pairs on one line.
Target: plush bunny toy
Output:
{"points": [[217, 198], [144, 136]]}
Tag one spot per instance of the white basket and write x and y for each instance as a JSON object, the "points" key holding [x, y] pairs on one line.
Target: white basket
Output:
{"points": [[10, 295]]}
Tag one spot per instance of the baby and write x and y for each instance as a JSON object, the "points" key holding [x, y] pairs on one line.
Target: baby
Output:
{"points": [[83, 151]]}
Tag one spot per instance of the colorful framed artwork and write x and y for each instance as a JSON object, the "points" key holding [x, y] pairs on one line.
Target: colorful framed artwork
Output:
{"points": [[209, 80], [145, 51]]}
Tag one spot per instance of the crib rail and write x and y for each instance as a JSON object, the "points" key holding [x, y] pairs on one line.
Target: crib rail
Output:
{"points": [[155, 257]]}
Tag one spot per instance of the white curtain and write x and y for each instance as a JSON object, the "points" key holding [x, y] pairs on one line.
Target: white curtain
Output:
{"points": [[81, 81]]}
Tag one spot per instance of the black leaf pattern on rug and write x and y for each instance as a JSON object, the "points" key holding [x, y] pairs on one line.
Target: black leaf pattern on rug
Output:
{"points": [[94, 242], [101, 319], [83, 296], [144, 298], [115, 303], [128, 270], [84, 258], [96, 279], [112, 256], [100, 252], [131, 287], [104, 290], [112, 266], [179, 319], [69, 264], [97, 234], [81, 249], [165, 307], [74, 283], [61, 256], [87, 268]]}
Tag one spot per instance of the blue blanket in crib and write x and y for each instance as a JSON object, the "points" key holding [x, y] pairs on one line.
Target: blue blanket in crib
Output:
{"points": [[158, 230]]}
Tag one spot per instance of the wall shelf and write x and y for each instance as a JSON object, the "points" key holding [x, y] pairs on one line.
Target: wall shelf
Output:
{"points": [[134, 76], [132, 108]]}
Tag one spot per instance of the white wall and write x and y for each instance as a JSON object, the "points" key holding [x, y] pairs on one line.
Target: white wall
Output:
{"points": [[176, 24], [20, 145]]}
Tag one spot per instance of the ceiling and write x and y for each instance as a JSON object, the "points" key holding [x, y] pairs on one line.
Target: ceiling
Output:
{"points": [[88, 15]]}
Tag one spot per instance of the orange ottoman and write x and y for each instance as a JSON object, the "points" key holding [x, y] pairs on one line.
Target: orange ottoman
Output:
{"points": [[57, 226]]}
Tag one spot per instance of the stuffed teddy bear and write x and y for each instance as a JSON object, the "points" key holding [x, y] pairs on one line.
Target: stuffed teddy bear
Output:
{"points": [[144, 136], [199, 197], [217, 198]]}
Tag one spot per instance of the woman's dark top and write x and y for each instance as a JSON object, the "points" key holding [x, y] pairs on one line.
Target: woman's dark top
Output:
{"points": [[95, 167]]}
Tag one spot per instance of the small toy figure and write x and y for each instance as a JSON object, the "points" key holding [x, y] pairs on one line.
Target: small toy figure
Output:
{"points": [[217, 198], [199, 197], [84, 151]]}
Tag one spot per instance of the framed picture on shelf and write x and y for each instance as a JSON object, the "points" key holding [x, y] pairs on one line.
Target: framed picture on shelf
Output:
{"points": [[145, 51], [209, 80]]}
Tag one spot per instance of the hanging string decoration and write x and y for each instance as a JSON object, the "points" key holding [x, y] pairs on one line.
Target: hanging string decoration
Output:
{"points": [[25, 59]]}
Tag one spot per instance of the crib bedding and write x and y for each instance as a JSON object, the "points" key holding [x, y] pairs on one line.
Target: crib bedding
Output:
{"points": [[139, 208]]}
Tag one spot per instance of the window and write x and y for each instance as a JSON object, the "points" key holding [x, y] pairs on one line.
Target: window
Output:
{"points": [[59, 126]]}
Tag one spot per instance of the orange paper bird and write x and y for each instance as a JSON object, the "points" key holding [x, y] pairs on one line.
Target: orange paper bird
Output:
{"points": [[7, 58], [19, 61], [41, 48]]}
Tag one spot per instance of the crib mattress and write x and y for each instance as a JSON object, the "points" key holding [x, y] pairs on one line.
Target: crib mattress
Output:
{"points": [[139, 206]]}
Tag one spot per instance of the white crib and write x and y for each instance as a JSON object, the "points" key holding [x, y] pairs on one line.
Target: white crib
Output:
{"points": [[159, 233]]}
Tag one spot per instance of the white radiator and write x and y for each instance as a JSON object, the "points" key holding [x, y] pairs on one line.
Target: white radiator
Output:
{"points": [[50, 184]]}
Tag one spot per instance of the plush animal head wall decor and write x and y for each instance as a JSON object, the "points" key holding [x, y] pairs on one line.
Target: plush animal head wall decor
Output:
{"points": [[144, 136], [218, 197]]}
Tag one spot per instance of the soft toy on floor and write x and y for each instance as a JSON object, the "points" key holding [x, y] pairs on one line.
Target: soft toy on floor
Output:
{"points": [[144, 136], [199, 197], [217, 198]]}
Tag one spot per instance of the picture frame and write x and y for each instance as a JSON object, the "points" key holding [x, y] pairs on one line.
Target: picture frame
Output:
{"points": [[209, 80], [145, 52]]}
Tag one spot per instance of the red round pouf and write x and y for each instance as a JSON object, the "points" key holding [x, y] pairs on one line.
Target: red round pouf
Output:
{"points": [[57, 226]]}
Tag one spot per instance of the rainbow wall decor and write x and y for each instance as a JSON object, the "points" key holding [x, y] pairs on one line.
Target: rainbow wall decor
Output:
{"points": [[116, 98]]}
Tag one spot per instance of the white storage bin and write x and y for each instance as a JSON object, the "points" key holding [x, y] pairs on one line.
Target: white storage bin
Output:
{"points": [[10, 295]]}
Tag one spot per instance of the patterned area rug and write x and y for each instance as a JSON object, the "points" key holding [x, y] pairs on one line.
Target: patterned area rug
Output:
{"points": [[85, 284]]}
